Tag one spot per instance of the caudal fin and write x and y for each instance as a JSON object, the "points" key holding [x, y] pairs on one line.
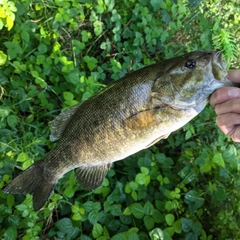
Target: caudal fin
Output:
{"points": [[32, 181]]}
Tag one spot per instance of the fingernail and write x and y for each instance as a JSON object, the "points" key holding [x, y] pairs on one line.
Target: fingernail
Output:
{"points": [[233, 92]]}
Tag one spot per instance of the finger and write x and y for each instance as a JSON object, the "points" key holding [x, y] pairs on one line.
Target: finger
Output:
{"points": [[230, 106], [234, 75], [230, 124], [236, 134], [224, 94]]}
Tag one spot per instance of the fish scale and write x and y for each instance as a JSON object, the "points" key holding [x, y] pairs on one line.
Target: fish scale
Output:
{"points": [[129, 115]]}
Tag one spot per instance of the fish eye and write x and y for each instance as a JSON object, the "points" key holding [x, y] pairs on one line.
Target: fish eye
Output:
{"points": [[190, 63]]}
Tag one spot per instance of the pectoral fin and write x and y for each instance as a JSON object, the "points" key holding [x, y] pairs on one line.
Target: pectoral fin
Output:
{"points": [[143, 119], [92, 177], [158, 139]]}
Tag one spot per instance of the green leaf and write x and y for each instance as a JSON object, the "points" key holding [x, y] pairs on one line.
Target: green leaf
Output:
{"points": [[85, 36], [64, 225], [169, 218], [119, 236], [163, 160], [10, 200], [134, 195], [59, 17], [177, 226], [98, 27], [155, 4], [197, 228], [22, 157], [35, 74], [187, 225], [191, 236], [133, 185], [4, 111], [11, 233], [159, 234], [25, 36], [140, 179], [127, 211], [91, 62], [3, 58], [93, 217], [73, 76], [1, 24], [148, 222], [132, 235], [148, 208], [42, 48], [97, 230], [77, 46], [137, 210], [97, 206], [13, 220], [74, 233], [206, 167], [77, 216], [221, 194], [194, 201], [144, 170], [12, 121], [188, 134], [10, 22], [69, 192], [84, 237], [116, 210], [68, 96], [13, 49], [86, 95], [110, 4], [218, 159], [22, 207]]}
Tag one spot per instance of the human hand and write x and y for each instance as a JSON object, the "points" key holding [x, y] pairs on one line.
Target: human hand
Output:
{"points": [[226, 102]]}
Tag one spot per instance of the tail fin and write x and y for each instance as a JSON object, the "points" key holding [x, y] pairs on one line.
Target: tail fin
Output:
{"points": [[32, 181]]}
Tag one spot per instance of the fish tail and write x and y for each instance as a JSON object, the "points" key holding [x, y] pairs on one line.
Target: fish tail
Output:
{"points": [[32, 181]]}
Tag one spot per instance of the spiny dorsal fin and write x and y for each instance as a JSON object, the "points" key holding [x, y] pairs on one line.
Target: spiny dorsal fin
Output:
{"points": [[92, 177], [60, 122]]}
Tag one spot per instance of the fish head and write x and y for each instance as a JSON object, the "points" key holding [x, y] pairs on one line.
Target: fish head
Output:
{"points": [[189, 80]]}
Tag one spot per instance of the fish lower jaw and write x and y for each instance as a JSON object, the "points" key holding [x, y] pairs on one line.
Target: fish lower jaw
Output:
{"points": [[215, 84]]}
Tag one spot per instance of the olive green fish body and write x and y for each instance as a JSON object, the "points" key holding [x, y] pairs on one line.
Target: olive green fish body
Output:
{"points": [[129, 115]]}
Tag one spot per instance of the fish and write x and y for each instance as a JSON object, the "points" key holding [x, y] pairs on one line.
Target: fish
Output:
{"points": [[127, 116]]}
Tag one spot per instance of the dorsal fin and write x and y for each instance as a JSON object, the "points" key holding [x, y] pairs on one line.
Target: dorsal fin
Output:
{"points": [[60, 122]]}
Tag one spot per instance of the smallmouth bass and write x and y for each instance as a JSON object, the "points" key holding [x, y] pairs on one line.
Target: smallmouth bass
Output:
{"points": [[129, 115]]}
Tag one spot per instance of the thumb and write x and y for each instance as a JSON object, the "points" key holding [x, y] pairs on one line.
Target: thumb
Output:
{"points": [[234, 75]]}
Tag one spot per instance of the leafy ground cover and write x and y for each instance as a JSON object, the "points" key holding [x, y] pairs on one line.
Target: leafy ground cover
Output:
{"points": [[54, 54]]}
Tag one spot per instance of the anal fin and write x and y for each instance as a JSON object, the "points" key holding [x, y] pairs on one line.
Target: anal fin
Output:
{"points": [[92, 177]]}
